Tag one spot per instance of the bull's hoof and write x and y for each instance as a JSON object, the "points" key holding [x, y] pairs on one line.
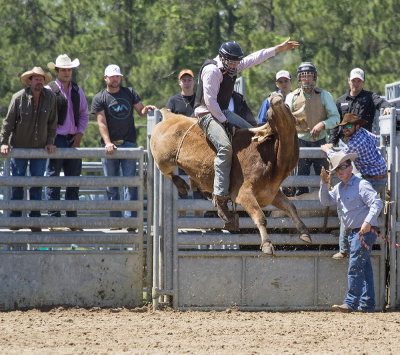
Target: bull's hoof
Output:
{"points": [[306, 238], [267, 248], [233, 224]]}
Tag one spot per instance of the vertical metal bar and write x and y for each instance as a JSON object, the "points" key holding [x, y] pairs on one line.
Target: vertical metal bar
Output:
{"points": [[393, 187], [156, 236], [174, 249]]}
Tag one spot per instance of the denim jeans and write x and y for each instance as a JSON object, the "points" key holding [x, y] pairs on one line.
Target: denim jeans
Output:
{"points": [[113, 167], [379, 186], [216, 133], [71, 167], [18, 168], [304, 165], [361, 293]]}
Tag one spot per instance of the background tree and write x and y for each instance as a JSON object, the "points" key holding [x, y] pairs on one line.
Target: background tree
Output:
{"points": [[152, 40]]}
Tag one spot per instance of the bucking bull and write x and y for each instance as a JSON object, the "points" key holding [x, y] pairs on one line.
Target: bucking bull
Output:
{"points": [[262, 158]]}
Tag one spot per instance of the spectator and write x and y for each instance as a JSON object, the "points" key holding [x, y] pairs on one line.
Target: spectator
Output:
{"points": [[73, 118], [183, 103], [113, 107], [284, 84], [31, 122], [321, 114], [216, 83], [359, 205], [369, 163], [359, 101]]}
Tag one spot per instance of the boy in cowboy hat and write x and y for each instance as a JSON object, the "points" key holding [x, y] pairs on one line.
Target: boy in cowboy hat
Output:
{"points": [[31, 122], [369, 162], [359, 206], [73, 118]]}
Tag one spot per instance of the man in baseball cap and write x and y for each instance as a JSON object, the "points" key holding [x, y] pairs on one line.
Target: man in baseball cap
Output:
{"points": [[359, 101], [283, 82]]}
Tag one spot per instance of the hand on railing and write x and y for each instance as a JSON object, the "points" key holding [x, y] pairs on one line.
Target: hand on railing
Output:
{"points": [[5, 149]]}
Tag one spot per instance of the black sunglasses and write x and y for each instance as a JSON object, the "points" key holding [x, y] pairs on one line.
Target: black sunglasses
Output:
{"points": [[342, 167]]}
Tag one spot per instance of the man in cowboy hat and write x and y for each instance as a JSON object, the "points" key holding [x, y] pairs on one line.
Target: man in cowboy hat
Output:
{"points": [[359, 206], [357, 100], [369, 162], [31, 122], [73, 118]]}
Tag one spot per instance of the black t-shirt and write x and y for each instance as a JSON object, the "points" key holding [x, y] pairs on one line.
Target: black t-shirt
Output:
{"points": [[181, 104], [118, 109]]}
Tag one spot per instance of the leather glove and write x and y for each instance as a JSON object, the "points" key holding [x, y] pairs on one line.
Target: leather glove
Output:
{"points": [[230, 129]]}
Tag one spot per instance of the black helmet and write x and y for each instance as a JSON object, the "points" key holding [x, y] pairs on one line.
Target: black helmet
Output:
{"points": [[230, 51], [307, 67]]}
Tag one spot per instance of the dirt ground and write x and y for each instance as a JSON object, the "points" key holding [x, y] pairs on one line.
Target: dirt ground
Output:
{"points": [[141, 331]]}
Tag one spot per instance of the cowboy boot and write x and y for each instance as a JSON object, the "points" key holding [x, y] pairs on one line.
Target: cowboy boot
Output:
{"points": [[231, 219]]}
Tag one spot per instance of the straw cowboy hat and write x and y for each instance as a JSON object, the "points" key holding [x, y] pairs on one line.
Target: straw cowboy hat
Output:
{"points": [[352, 118], [340, 157], [63, 61], [35, 71]]}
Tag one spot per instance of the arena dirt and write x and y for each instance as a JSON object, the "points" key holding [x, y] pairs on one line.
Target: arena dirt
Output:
{"points": [[141, 331]]}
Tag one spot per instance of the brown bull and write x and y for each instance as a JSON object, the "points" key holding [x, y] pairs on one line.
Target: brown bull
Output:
{"points": [[262, 158]]}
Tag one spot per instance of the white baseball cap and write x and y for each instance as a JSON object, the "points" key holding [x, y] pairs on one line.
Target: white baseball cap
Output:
{"points": [[112, 70], [283, 74], [357, 73]]}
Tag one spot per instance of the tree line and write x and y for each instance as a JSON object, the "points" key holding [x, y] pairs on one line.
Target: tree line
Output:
{"points": [[152, 40]]}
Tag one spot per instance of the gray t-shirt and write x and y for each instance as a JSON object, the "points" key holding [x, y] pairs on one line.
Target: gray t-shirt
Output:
{"points": [[118, 108]]}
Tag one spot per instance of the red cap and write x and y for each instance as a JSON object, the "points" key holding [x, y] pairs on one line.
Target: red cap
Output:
{"points": [[185, 71]]}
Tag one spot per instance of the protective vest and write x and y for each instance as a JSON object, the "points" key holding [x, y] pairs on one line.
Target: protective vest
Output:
{"points": [[315, 111], [62, 102], [225, 89]]}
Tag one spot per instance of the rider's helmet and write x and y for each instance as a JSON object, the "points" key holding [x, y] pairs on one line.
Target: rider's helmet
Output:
{"points": [[231, 54], [307, 68]]}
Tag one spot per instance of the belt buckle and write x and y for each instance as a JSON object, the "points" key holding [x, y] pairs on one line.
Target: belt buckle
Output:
{"points": [[119, 142]]}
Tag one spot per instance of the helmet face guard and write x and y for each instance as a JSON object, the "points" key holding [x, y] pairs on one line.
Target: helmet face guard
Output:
{"points": [[305, 69], [231, 54], [304, 74]]}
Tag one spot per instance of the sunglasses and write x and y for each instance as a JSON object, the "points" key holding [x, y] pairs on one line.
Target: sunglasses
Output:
{"points": [[348, 126], [342, 167]]}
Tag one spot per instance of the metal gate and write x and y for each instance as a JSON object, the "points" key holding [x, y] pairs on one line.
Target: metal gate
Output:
{"points": [[202, 266], [95, 267]]}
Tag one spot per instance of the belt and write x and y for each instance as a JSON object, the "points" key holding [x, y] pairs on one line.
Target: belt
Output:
{"points": [[202, 114], [118, 142], [375, 177]]}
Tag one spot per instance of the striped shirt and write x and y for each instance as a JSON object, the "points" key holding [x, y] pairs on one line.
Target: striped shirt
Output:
{"points": [[357, 201], [370, 160]]}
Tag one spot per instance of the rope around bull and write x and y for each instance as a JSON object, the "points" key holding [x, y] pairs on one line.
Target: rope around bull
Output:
{"points": [[360, 237]]}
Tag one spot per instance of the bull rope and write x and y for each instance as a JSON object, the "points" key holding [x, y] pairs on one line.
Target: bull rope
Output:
{"points": [[360, 237], [181, 143]]}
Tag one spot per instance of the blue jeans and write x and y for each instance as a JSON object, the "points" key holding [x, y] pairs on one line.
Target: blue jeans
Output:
{"points": [[304, 165], [216, 133], [112, 167], [71, 167], [361, 293], [18, 168], [379, 186]]}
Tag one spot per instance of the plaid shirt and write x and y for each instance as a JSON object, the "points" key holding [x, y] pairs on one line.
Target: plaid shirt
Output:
{"points": [[370, 160]]}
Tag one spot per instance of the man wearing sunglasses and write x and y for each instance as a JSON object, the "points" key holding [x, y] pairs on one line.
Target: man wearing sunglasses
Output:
{"points": [[357, 100], [369, 162], [359, 205]]}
